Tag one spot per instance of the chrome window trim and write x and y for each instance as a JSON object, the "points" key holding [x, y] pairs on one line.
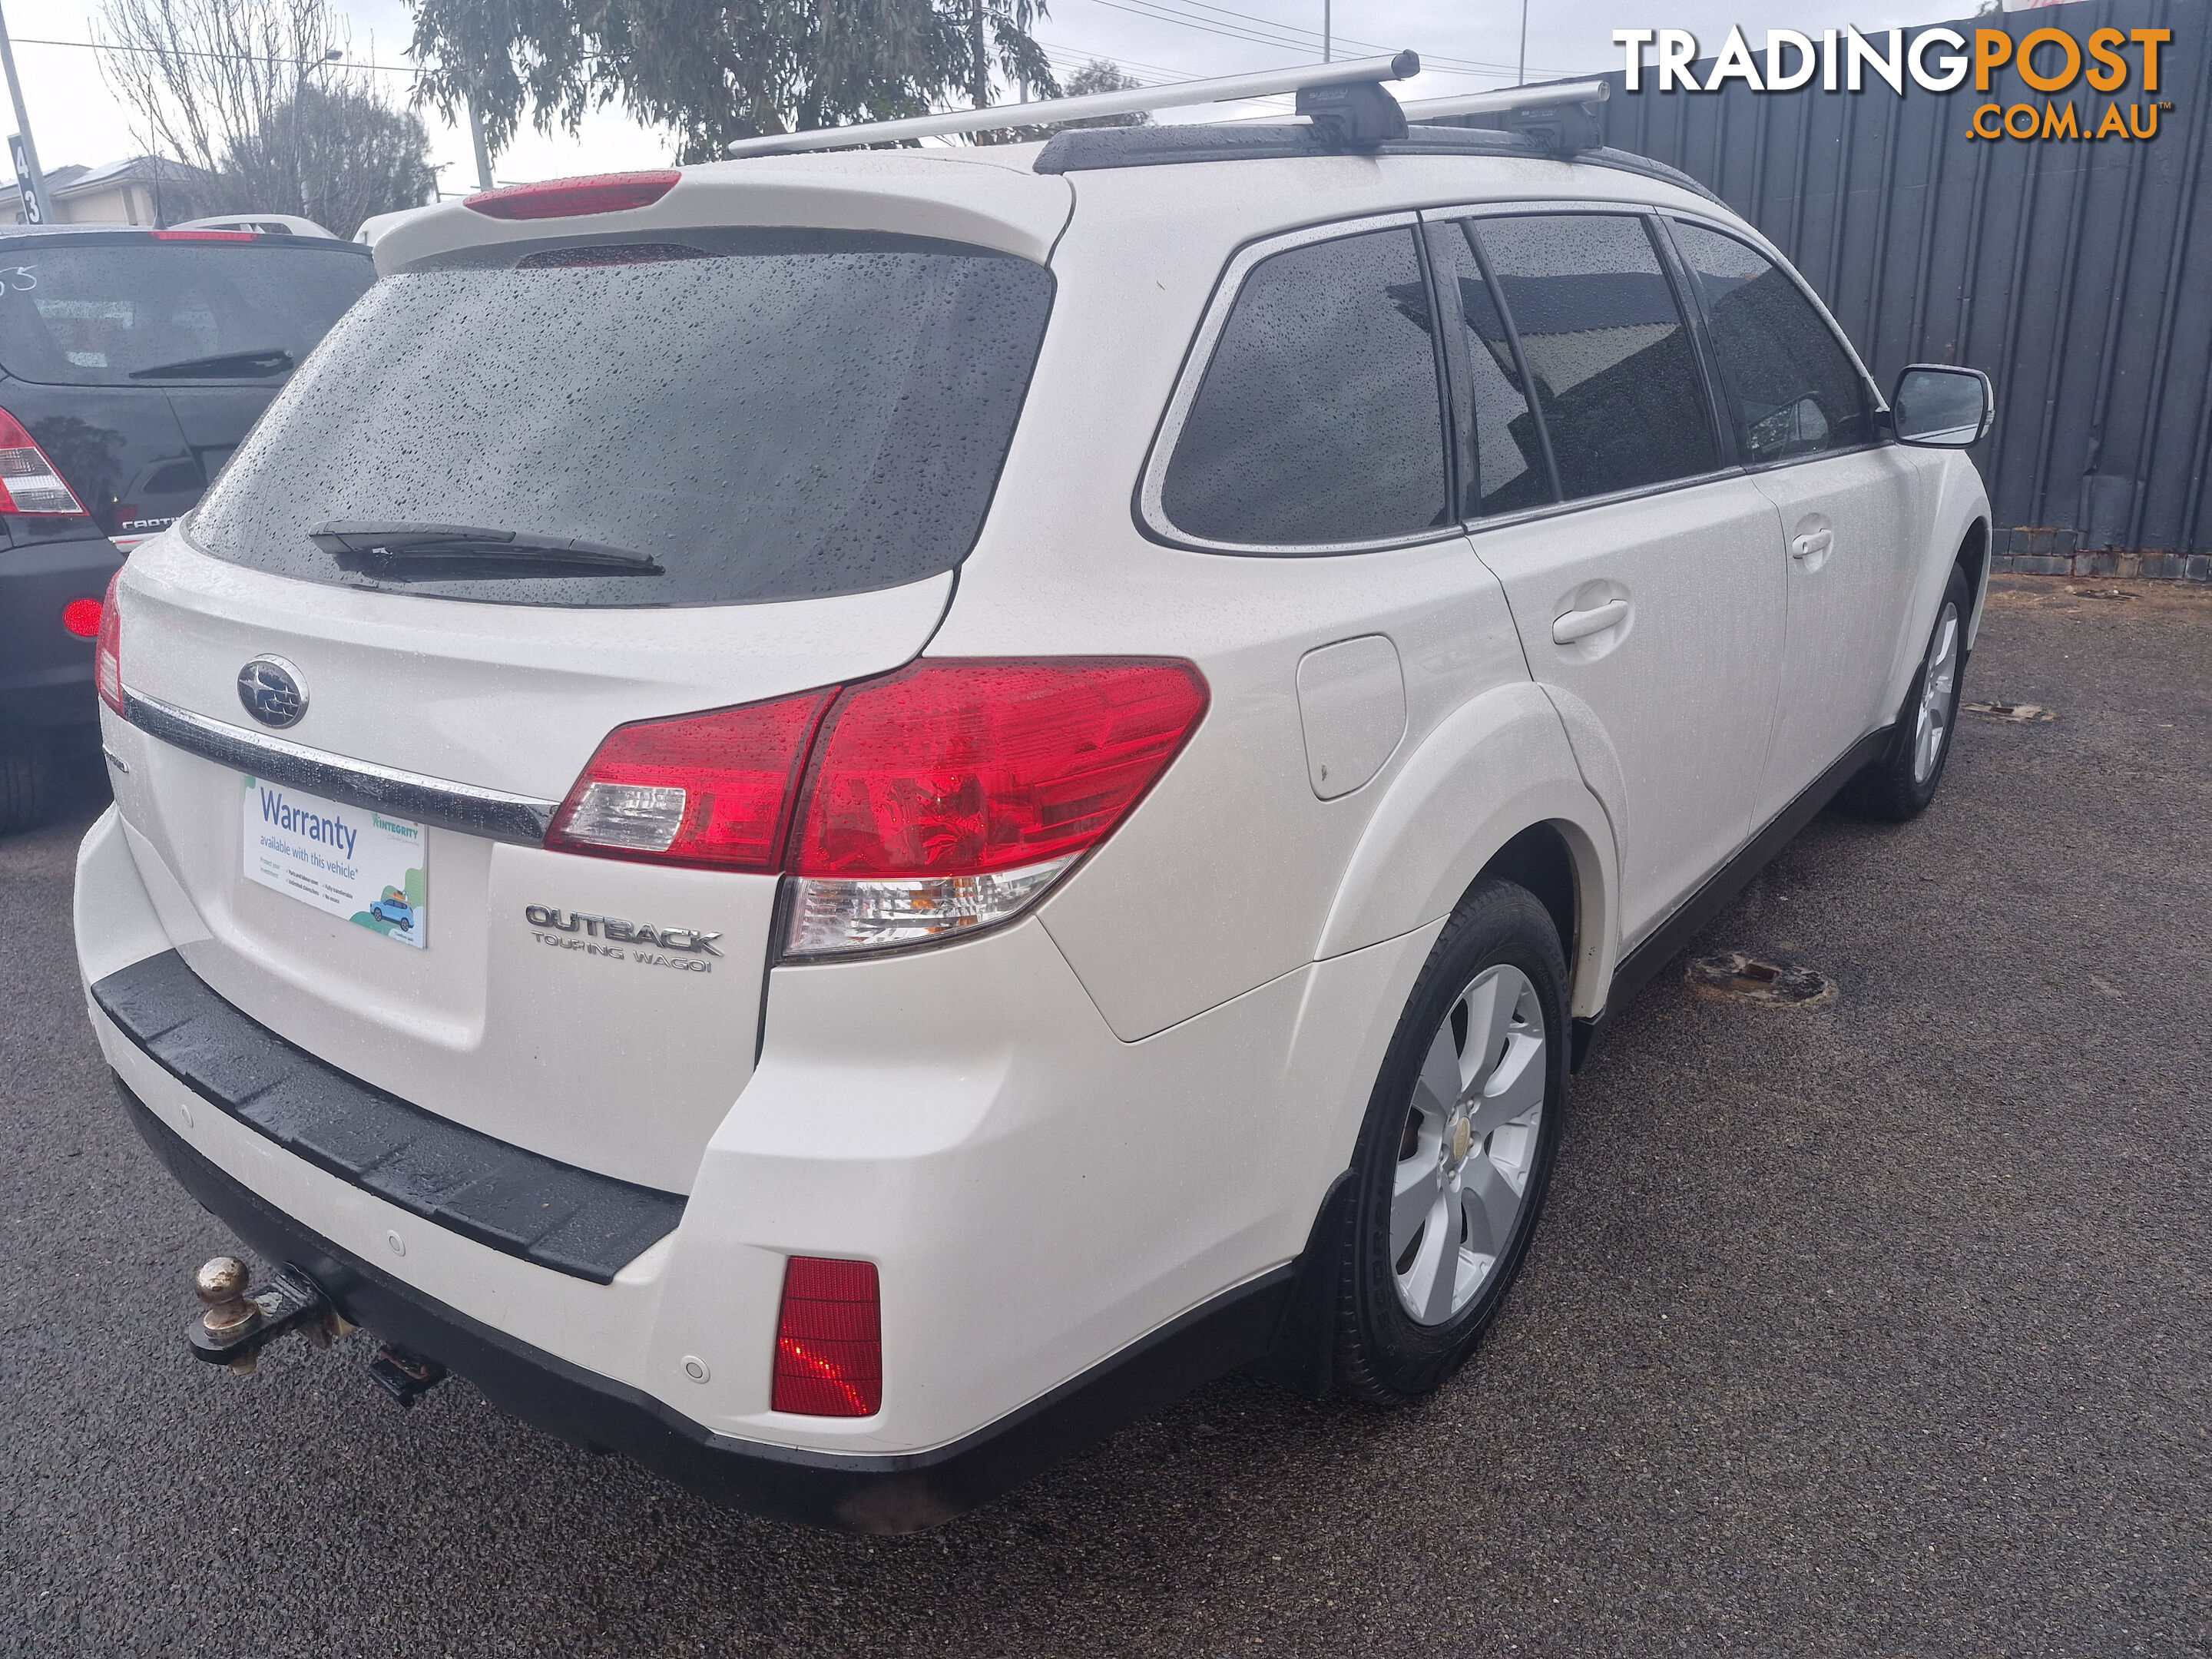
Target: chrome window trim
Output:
{"points": [[492, 813], [1152, 515], [1552, 509]]}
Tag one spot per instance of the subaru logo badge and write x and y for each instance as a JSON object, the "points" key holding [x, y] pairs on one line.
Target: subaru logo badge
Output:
{"points": [[272, 691]]}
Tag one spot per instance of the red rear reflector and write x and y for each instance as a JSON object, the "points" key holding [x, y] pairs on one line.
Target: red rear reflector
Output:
{"points": [[562, 198], [82, 618], [107, 655], [28, 483], [712, 789], [828, 1340], [205, 235], [962, 768]]}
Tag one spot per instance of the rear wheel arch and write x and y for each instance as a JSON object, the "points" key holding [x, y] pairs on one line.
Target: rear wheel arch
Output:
{"points": [[1497, 774]]}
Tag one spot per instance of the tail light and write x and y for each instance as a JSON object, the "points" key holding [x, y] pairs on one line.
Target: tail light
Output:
{"points": [[705, 789], [28, 482], [828, 1340], [82, 618], [563, 198], [937, 800], [107, 654]]}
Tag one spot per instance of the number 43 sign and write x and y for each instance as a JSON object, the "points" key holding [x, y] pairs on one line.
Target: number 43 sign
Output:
{"points": [[34, 211]]}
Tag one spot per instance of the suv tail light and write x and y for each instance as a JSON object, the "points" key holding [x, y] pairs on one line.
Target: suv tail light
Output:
{"points": [[28, 481], [828, 1340], [940, 799], [707, 789], [107, 654]]}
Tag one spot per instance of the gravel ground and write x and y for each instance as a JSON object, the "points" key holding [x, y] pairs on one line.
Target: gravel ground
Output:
{"points": [[1875, 1327]]}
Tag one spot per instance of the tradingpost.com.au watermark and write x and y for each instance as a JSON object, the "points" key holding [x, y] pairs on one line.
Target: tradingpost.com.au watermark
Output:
{"points": [[2109, 62]]}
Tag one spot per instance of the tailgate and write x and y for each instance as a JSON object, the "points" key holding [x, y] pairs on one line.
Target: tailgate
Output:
{"points": [[597, 1011]]}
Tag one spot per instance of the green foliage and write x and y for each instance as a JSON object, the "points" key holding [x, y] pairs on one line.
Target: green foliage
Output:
{"points": [[712, 71], [1105, 74]]}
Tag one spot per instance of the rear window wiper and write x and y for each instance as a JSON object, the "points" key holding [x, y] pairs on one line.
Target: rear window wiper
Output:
{"points": [[223, 365], [389, 549]]}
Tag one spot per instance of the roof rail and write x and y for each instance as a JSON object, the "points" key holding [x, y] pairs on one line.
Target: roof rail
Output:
{"points": [[1563, 117], [1054, 111]]}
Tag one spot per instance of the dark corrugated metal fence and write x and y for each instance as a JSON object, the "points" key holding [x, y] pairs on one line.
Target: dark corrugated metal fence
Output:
{"points": [[2078, 274]]}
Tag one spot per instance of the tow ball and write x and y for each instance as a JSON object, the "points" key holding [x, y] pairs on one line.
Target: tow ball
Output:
{"points": [[239, 1320]]}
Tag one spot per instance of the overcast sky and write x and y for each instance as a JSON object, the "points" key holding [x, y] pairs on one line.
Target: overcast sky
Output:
{"points": [[1466, 48]]}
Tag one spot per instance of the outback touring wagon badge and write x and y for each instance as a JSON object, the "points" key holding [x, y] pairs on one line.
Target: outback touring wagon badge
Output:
{"points": [[613, 929], [272, 691]]}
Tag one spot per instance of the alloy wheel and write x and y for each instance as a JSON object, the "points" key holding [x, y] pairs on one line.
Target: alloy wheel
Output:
{"points": [[1469, 1145], [1932, 724]]}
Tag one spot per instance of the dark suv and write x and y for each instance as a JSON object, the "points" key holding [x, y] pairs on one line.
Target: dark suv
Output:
{"points": [[132, 363]]}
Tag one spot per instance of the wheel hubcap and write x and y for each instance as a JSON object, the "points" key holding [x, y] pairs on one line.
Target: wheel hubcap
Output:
{"points": [[1933, 722], [1468, 1144]]}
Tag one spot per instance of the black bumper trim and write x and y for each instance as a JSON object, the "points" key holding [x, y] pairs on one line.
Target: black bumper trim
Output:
{"points": [[878, 1494], [504, 1197]]}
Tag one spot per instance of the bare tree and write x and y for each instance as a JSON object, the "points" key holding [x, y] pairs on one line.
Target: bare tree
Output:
{"points": [[341, 155], [247, 95], [202, 77]]}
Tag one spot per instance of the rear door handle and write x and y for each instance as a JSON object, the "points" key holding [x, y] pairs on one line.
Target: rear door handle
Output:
{"points": [[1814, 541], [1581, 624]]}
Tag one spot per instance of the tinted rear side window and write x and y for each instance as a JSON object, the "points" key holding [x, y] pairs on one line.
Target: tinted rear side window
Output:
{"points": [[1318, 421], [1617, 377], [767, 415], [104, 313], [1508, 467], [1795, 391]]}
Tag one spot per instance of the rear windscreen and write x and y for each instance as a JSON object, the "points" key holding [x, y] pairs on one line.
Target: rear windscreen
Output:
{"points": [[763, 414], [147, 312]]}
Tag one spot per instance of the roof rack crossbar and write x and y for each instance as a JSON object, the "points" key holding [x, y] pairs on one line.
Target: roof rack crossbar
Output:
{"points": [[1053, 112], [1508, 99]]}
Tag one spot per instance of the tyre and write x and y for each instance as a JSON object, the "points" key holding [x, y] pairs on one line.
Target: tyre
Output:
{"points": [[1457, 1150], [26, 786], [1903, 781]]}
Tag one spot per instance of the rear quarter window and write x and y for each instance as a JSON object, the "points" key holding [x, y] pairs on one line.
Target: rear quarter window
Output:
{"points": [[1318, 421], [765, 414]]}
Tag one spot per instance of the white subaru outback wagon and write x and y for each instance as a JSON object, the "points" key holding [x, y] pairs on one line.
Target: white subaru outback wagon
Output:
{"points": [[835, 819]]}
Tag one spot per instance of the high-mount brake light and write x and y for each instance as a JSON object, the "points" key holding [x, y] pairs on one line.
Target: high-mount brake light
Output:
{"points": [[828, 1340], [28, 483], [205, 236], [942, 798], [107, 654], [564, 198], [712, 789]]}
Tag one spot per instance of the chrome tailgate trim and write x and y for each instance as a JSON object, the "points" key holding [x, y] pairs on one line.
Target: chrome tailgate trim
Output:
{"points": [[490, 813]]}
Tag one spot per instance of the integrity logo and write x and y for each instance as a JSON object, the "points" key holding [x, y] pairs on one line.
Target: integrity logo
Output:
{"points": [[2050, 61]]}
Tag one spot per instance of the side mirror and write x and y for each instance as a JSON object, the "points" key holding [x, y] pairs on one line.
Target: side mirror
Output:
{"points": [[1940, 407]]}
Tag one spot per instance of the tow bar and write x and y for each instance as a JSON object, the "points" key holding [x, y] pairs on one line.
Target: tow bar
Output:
{"points": [[240, 1322]]}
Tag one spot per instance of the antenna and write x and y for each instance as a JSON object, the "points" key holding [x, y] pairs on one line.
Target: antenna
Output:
{"points": [[1054, 111]]}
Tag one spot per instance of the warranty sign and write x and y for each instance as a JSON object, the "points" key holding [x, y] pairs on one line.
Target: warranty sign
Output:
{"points": [[369, 869]]}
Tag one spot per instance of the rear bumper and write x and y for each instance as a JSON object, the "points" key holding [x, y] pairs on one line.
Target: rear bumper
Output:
{"points": [[45, 671], [878, 1494]]}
